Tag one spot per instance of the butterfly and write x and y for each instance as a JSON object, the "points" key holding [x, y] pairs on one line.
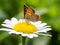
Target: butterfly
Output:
{"points": [[29, 14]]}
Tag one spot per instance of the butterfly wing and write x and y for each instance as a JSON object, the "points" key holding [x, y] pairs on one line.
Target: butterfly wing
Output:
{"points": [[37, 17], [28, 11]]}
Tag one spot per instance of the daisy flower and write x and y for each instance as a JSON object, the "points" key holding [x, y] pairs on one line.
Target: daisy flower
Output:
{"points": [[29, 29]]}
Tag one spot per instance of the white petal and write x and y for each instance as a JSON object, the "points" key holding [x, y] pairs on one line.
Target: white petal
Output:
{"points": [[11, 32], [35, 35], [35, 23], [46, 35], [45, 30], [5, 29], [6, 25], [42, 28], [47, 26], [38, 22], [42, 25], [18, 32], [14, 21], [32, 35], [24, 34], [8, 22], [21, 20]]}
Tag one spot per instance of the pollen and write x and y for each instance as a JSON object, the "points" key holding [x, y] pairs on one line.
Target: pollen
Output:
{"points": [[25, 27]]}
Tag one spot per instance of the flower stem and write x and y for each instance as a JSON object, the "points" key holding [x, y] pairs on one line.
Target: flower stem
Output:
{"points": [[23, 42], [21, 38], [26, 41]]}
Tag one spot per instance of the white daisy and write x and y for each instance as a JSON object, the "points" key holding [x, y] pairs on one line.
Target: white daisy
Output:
{"points": [[29, 29]]}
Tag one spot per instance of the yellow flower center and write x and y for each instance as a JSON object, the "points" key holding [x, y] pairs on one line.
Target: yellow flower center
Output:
{"points": [[25, 27]]}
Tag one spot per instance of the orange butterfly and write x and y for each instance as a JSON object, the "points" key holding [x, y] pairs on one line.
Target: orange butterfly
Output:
{"points": [[29, 14]]}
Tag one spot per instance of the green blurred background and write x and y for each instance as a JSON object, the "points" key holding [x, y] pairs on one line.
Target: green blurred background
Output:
{"points": [[50, 15]]}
